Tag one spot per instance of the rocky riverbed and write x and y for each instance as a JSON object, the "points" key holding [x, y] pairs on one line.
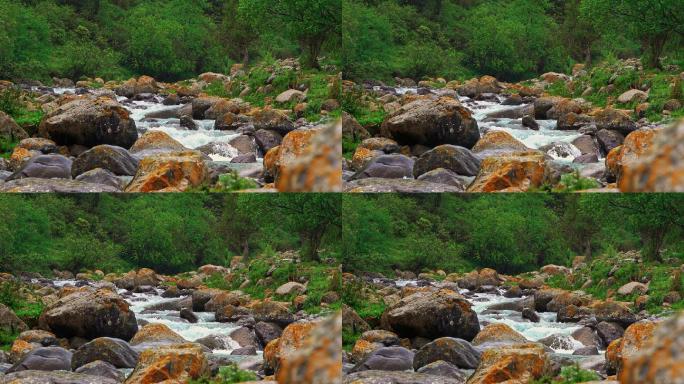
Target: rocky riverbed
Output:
{"points": [[485, 135], [147, 136], [483, 327], [143, 327]]}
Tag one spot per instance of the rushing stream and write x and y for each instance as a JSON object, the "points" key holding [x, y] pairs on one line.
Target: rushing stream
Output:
{"points": [[546, 326], [547, 133], [150, 307], [170, 124]]}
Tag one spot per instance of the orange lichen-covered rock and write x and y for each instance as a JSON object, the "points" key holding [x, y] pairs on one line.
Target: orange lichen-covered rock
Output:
{"points": [[515, 172], [155, 142], [498, 333], [290, 340], [499, 141], [19, 157], [621, 159], [660, 360], [271, 162], [156, 333], [19, 349], [319, 359], [361, 157], [169, 172], [635, 339], [661, 166], [363, 348], [515, 364], [613, 162], [318, 168], [178, 363], [613, 356]]}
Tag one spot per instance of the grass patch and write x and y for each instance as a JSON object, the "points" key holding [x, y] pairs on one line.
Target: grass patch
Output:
{"points": [[230, 374], [571, 182], [6, 148], [321, 280], [570, 375]]}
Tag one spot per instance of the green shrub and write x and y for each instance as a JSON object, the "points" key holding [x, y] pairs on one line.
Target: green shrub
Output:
{"points": [[230, 374], [231, 182], [10, 101], [571, 182]]}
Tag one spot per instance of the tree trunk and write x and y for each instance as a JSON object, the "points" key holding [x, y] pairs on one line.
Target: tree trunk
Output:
{"points": [[245, 57], [657, 45], [245, 248]]}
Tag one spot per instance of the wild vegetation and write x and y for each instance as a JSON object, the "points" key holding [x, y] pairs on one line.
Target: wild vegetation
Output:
{"points": [[169, 234], [511, 40], [510, 233], [169, 40]]}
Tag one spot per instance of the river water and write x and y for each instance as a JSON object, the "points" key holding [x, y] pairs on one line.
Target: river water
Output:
{"points": [[546, 326], [546, 134], [145, 305], [191, 139]]}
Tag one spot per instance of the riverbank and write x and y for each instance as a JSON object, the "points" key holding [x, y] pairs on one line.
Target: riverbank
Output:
{"points": [[247, 321], [598, 128], [536, 327], [256, 128]]}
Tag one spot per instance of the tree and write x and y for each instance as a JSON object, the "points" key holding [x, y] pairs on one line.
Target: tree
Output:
{"points": [[310, 22], [518, 40], [653, 22]]}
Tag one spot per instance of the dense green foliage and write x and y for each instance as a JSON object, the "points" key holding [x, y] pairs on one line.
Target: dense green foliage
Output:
{"points": [[511, 233], [169, 40], [170, 233], [510, 39]]}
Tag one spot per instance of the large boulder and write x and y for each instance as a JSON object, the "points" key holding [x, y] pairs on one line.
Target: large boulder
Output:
{"points": [[520, 363], [377, 185], [156, 334], [114, 159], [34, 185], [454, 158], [176, 363], [50, 166], [102, 369], [396, 377], [319, 359], [660, 358], [432, 315], [9, 130], [113, 351], [494, 142], [311, 162], [270, 119], [458, 352], [514, 172], [616, 120], [432, 122], [271, 311], [293, 338], [498, 333], [170, 172], [636, 339], [55, 377], [387, 359], [153, 142], [659, 168], [633, 95], [9, 322], [133, 87], [90, 314], [394, 166], [90, 122], [44, 359]]}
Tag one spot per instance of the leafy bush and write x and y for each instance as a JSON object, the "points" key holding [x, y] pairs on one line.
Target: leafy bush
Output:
{"points": [[571, 182], [230, 182], [230, 374]]}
